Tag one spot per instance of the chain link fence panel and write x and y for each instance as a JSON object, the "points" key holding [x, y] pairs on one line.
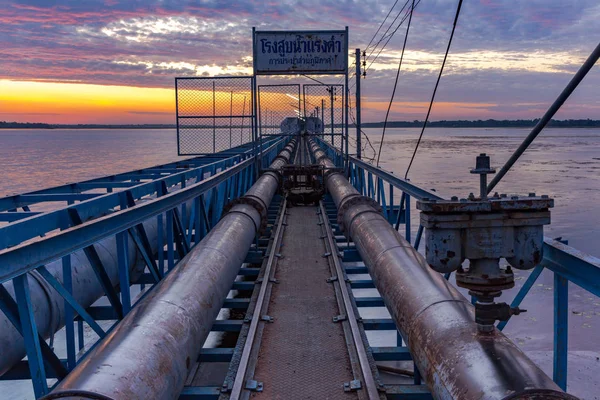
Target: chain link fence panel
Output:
{"points": [[213, 113], [276, 103]]}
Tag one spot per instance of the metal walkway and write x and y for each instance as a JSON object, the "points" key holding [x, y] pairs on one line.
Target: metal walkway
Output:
{"points": [[303, 354]]}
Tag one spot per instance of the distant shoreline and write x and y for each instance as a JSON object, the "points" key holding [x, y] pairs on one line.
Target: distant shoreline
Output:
{"points": [[490, 123]]}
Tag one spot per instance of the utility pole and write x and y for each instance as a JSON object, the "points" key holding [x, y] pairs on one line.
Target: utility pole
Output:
{"points": [[357, 102], [331, 101], [322, 116]]}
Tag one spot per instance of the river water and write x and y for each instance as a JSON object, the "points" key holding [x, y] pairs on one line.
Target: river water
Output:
{"points": [[562, 163]]}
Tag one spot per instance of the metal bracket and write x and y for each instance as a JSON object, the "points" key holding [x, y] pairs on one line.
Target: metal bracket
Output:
{"points": [[339, 318], [226, 387], [332, 279], [254, 386], [278, 255], [352, 386], [267, 318], [261, 280], [326, 255]]}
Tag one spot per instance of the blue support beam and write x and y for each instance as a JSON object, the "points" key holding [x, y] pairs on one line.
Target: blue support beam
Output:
{"points": [[369, 302], [30, 335], [200, 393], [383, 324], [391, 354], [69, 313], [362, 284], [56, 285], [572, 264], [407, 392], [218, 354], [99, 270], [8, 305], [561, 330], [523, 292]]}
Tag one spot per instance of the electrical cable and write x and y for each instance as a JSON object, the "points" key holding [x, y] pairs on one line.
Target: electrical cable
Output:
{"points": [[383, 36], [363, 134], [381, 25], [390, 38], [387, 114], [435, 88]]}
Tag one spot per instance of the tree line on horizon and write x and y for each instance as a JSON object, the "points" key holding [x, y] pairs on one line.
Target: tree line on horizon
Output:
{"points": [[488, 123]]}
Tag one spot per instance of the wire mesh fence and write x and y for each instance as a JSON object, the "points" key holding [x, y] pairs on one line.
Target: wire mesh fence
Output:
{"points": [[327, 103], [213, 114], [276, 103]]}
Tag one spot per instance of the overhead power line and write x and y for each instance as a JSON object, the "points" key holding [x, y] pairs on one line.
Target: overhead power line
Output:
{"points": [[384, 35], [435, 88], [391, 35], [381, 25], [387, 114]]}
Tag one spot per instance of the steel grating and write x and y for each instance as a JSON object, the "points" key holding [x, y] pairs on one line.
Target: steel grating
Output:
{"points": [[303, 354]]}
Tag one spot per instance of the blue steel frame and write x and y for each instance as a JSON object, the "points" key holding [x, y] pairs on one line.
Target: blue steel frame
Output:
{"points": [[208, 182], [566, 263]]}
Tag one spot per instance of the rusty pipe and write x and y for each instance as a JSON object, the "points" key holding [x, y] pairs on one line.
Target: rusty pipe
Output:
{"points": [[48, 304], [456, 360], [150, 353]]}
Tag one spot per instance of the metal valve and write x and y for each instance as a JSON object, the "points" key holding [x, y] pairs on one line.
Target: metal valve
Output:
{"points": [[483, 230]]}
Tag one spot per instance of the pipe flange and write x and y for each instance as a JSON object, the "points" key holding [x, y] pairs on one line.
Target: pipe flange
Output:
{"points": [[319, 158], [256, 203], [540, 394], [327, 171], [353, 200], [280, 157], [502, 281], [82, 394], [275, 173]]}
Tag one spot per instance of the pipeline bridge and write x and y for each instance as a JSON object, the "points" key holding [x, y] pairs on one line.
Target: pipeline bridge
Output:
{"points": [[237, 273]]}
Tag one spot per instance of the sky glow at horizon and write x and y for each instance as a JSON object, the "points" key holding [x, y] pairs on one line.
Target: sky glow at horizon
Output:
{"points": [[114, 61]]}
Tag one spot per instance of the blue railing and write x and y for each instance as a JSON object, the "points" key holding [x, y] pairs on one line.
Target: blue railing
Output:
{"points": [[184, 206], [566, 263]]}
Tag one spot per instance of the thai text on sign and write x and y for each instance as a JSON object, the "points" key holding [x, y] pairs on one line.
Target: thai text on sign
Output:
{"points": [[300, 52]]}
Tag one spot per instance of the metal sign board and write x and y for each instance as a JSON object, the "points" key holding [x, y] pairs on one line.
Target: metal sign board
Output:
{"points": [[300, 52]]}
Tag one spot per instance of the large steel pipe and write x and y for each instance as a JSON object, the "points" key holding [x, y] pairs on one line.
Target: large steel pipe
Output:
{"points": [[150, 353], [48, 305], [437, 322]]}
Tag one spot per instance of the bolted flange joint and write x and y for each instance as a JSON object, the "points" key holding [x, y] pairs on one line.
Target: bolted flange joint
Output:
{"points": [[350, 201], [256, 203]]}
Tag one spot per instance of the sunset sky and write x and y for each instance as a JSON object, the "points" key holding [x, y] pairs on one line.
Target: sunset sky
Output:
{"points": [[114, 61]]}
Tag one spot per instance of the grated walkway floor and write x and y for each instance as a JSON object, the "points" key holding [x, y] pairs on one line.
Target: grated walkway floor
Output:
{"points": [[303, 354]]}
